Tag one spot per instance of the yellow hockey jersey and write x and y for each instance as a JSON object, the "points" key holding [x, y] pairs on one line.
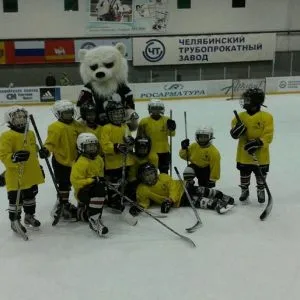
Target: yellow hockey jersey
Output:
{"points": [[61, 141], [83, 171], [260, 125], [10, 142], [151, 158], [158, 133], [110, 135], [165, 188], [203, 157]]}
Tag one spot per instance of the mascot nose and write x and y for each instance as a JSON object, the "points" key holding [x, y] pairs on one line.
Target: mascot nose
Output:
{"points": [[100, 74]]}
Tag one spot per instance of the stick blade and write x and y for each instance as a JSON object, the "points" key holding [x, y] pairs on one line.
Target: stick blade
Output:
{"points": [[188, 240], [194, 228], [267, 210]]}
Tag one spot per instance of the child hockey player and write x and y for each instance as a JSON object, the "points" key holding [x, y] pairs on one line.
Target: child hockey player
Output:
{"points": [[158, 128], [117, 143], [255, 133], [18, 152], [87, 178], [203, 156], [61, 142], [163, 190], [141, 155]]}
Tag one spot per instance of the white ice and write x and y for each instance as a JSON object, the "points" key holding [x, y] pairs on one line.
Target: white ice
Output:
{"points": [[237, 255]]}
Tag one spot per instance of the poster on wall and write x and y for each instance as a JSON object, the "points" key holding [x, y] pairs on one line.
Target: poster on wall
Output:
{"points": [[128, 16], [92, 43], [203, 49]]}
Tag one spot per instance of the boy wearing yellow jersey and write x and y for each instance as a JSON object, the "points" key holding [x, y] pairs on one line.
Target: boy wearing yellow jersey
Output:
{"points": [[61, 142], [255, 133], [88, 115], [203, 156], [117, 143], [167, 192], [141, 155], [158, 128], [13, 152], [87, 178]]}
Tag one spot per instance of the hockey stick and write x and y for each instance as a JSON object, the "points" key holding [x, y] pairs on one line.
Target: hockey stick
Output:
{"points": [[20, 175], [269, 206], [57, 217], [171, 144], [199, 222], [185, 238], [186, 136]]}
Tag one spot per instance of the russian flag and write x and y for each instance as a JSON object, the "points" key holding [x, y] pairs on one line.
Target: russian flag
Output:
{"points": [[29, 52]]}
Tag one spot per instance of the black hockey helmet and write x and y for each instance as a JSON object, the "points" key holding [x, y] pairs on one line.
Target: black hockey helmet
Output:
{"points": [[115, 112], [252, 98], [88, 112], [142, 146], [147, 174]]}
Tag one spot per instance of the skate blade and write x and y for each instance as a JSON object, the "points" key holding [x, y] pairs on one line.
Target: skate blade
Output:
{"points": [[32, 228], [224, 210]]}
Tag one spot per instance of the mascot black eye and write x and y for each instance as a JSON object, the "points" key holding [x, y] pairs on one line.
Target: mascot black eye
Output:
{"points": [[109, 65], [94, 67]]}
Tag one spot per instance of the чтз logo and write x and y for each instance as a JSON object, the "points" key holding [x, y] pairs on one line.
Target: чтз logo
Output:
{"points": [[154, 51]]}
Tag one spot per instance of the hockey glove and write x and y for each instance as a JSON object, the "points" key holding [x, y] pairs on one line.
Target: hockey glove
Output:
{"points": [[129, 140], [20, 156], [211, 184], [185, 144], [121, 148], [44, 153], [98, 179], [238, 130], [171, 125], [134, 211], [166, 206], [253, 145]]}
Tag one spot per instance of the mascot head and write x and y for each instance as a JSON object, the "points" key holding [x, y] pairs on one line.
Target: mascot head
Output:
{"points": [[104, 67]]}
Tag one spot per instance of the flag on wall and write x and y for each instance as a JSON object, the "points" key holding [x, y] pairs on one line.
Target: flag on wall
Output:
{"points": [[29, 52], [59, 51], [2, 53], [6, 52]]}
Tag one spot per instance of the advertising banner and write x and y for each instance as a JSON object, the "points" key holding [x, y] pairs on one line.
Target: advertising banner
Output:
{"points": [[92, 43], [128, 16], [48, 94], [190, 89], [288, 84], [22, 94], [203, 49]]}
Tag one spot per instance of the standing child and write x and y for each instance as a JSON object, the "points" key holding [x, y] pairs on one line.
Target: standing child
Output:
{"points": [[158, 128], [255, 133], [87, 178], [61, 142], [18, 150], [117, 143], [203, 156]]}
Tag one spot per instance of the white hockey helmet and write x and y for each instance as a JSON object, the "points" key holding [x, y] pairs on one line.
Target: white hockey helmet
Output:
{"points": [[204, 136], [16, 116], [189, 173], [64, 110], [88, 145], [156, 107]]}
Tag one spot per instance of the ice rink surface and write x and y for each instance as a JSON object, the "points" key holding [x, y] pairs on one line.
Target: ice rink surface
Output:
{"points": [[238, 257]]}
